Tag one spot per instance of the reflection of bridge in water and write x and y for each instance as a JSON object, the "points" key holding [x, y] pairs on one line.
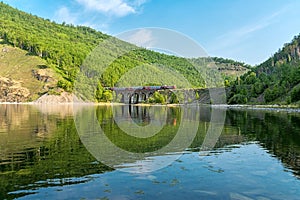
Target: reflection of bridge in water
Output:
{"points": [[143, 116], [134, 95]]}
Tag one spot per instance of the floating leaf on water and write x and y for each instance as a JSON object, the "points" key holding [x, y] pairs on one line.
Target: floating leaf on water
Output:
{"points": [[174, 182], [139, 192]]}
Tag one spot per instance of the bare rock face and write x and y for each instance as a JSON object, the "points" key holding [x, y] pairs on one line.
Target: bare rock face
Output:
{"points": [[43, 75], [64, 97], [12, 91]]}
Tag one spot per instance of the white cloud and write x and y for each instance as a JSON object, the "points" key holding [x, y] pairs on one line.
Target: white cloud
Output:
{"points": [[117, 8], [82, 14], [64, 15], [142, 37]]}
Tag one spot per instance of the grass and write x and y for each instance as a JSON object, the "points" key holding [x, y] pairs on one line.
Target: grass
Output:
{"points": [[18, 65]]}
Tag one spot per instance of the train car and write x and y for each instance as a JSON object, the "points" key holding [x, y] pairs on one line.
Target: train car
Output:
{"points": [[134, 88], [113, 88], [152, 88], [124, 88], [137, 88], [168, 87]]}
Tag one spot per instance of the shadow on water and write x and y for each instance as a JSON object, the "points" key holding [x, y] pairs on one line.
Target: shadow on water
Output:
{"points": [[40, 147]]}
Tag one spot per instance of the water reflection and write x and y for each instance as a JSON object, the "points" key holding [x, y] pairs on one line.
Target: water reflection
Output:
{"points": [[40, 148], [140, 115], [278, 132], [37, 145], [116, 139]]}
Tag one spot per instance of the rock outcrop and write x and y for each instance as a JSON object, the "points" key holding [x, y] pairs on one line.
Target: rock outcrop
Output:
{"points": [[43, 75], [12, 91], [64, 97]]}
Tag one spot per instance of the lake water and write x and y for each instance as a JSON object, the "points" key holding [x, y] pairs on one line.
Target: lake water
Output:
{"points": [[123, 152]]}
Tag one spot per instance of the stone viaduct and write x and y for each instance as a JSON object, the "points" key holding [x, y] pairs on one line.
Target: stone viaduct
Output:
{"points": [[134, 95]]}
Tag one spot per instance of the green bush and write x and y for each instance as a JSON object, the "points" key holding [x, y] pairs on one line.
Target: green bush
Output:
{"points": [[238, 99], [66, 85], [157, 98], [295, 94], [107, 96], [273, 94], [99, 92]]}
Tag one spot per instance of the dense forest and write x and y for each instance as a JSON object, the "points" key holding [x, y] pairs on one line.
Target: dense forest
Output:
{"points": [[65, 47], [274, 81]]}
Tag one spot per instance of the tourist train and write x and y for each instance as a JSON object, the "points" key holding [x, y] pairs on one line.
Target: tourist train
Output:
{"points": [[163, 87]]}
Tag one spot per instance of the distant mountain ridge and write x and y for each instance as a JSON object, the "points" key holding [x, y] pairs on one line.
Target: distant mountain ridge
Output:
{"points": [[62, 48]]}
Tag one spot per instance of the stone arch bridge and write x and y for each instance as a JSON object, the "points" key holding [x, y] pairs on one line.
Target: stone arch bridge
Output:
{"points": [[134, 95]]}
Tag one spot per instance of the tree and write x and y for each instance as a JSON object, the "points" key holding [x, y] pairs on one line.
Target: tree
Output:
{"points": [[295, 94], [238, 99], [107, 96], [99, 92]]}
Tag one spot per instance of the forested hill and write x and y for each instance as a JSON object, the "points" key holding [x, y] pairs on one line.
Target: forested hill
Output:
{"points": [[277, 80], [62, 48]]}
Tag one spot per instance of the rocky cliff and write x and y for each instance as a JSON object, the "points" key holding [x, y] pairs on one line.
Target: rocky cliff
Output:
{"points": [[12, 91]]}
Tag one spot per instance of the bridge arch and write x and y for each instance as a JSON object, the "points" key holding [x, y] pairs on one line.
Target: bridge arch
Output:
{"points": [[143, 97], [134, 98]]}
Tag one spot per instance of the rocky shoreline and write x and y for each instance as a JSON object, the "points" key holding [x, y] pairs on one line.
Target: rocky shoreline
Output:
{"points": [[273, 108], [64, 97], [12, 91]]}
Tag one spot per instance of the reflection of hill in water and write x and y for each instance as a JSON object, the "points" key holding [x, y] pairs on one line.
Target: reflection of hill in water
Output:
{"points": [[38, 145], [61, 110], [21, 125], [9, 113], [279, 133], [42, 143]]}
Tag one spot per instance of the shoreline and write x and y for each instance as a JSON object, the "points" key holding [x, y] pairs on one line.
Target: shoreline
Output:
{"points": [[275, 107]]}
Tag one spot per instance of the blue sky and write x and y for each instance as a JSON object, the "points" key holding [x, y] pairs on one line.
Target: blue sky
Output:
{"points": [[245, 30]]}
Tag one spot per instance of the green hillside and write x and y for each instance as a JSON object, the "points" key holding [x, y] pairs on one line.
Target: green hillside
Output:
{"points": [[274, 81], [24, 71], [63, 47], [64, 51]]}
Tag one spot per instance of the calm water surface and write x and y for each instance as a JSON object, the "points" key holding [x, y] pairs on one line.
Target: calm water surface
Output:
{"points": [[46, 154]]}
